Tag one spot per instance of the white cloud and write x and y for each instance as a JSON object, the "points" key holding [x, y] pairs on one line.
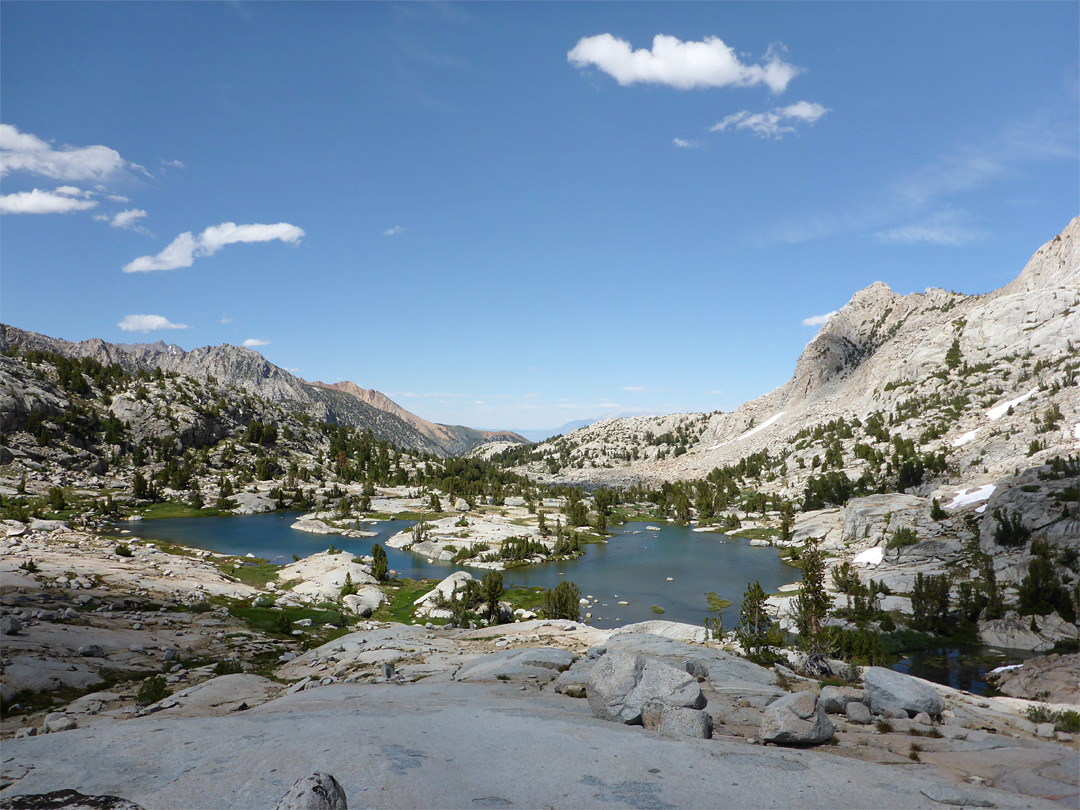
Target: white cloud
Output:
{"points": [[632, 388], [776, 122], [943, 228], [225, 319], [120, 198], [393, 231], [23, 152], [251, 343], [173, 164], [147, 323], [685, 144], [717, 392], [42, 202], [71, 191], [818, 320], [128, 220], [185, 248], [684, 65]]}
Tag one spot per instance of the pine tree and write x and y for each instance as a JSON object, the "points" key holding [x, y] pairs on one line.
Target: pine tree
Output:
{"points": [[379, 564], [811, 606], [756, 632], [491, 589]]}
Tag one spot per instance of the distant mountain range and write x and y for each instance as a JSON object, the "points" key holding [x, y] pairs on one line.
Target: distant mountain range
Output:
{"points": [[345, 402]]}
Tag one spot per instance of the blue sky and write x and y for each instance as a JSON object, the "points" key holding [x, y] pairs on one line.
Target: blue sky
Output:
{"points": [[518, 215]]}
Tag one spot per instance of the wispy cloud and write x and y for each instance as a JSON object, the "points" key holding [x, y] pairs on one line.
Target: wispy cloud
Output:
{"points": [[120, 198], [129, 220], [818, 320], [923, 204], [252, 343], [718, 392], [185, 248], [942, 228], [397, 229], [172, 164], [225, 319], [774, 123], [684, 65], [39, 201], [682, 143], [148, 323], [23, 152]]}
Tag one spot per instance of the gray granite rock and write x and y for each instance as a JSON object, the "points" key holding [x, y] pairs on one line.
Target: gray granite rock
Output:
{"points": [[319, 791], [887, 688], [835, 699], [620, 684], [796, 719], [858, 713], [541, 662]]}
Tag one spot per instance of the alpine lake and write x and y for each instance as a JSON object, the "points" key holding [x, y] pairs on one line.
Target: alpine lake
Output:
{"points": [[659, 570]]}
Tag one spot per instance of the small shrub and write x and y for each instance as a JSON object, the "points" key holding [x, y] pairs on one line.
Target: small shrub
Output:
{"points": [[29, 567], [122, 550], [1068, 720], [152, 690], [659, 611], [884, 726], [228, 667], [903, 537]]}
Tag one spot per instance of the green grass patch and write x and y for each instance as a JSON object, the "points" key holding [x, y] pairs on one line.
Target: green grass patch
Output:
{"points": [[171, 509], [402, 593], [760, 533], [256, 573], [280, 622], [525, 598]]}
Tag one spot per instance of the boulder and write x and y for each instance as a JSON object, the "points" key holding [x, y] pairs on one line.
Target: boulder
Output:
{"points": [[887, 688], [365, 601], [320, 791], [677, 721], [461, 505], [91, 651], [697, 668], [835, 699], [58, 721], [858, 713], [39, 525], [620, 684], [10, 626], [796, 719]]}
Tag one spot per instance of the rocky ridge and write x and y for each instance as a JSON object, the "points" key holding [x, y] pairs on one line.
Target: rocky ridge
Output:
{"points": [[1021, 342], [248, 371]]}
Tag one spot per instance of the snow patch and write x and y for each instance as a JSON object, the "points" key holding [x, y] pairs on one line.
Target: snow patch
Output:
{"points": [[999, 411], [970, 496], [1005, 669], [967, 438], [872, 556], [750, 432]]}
